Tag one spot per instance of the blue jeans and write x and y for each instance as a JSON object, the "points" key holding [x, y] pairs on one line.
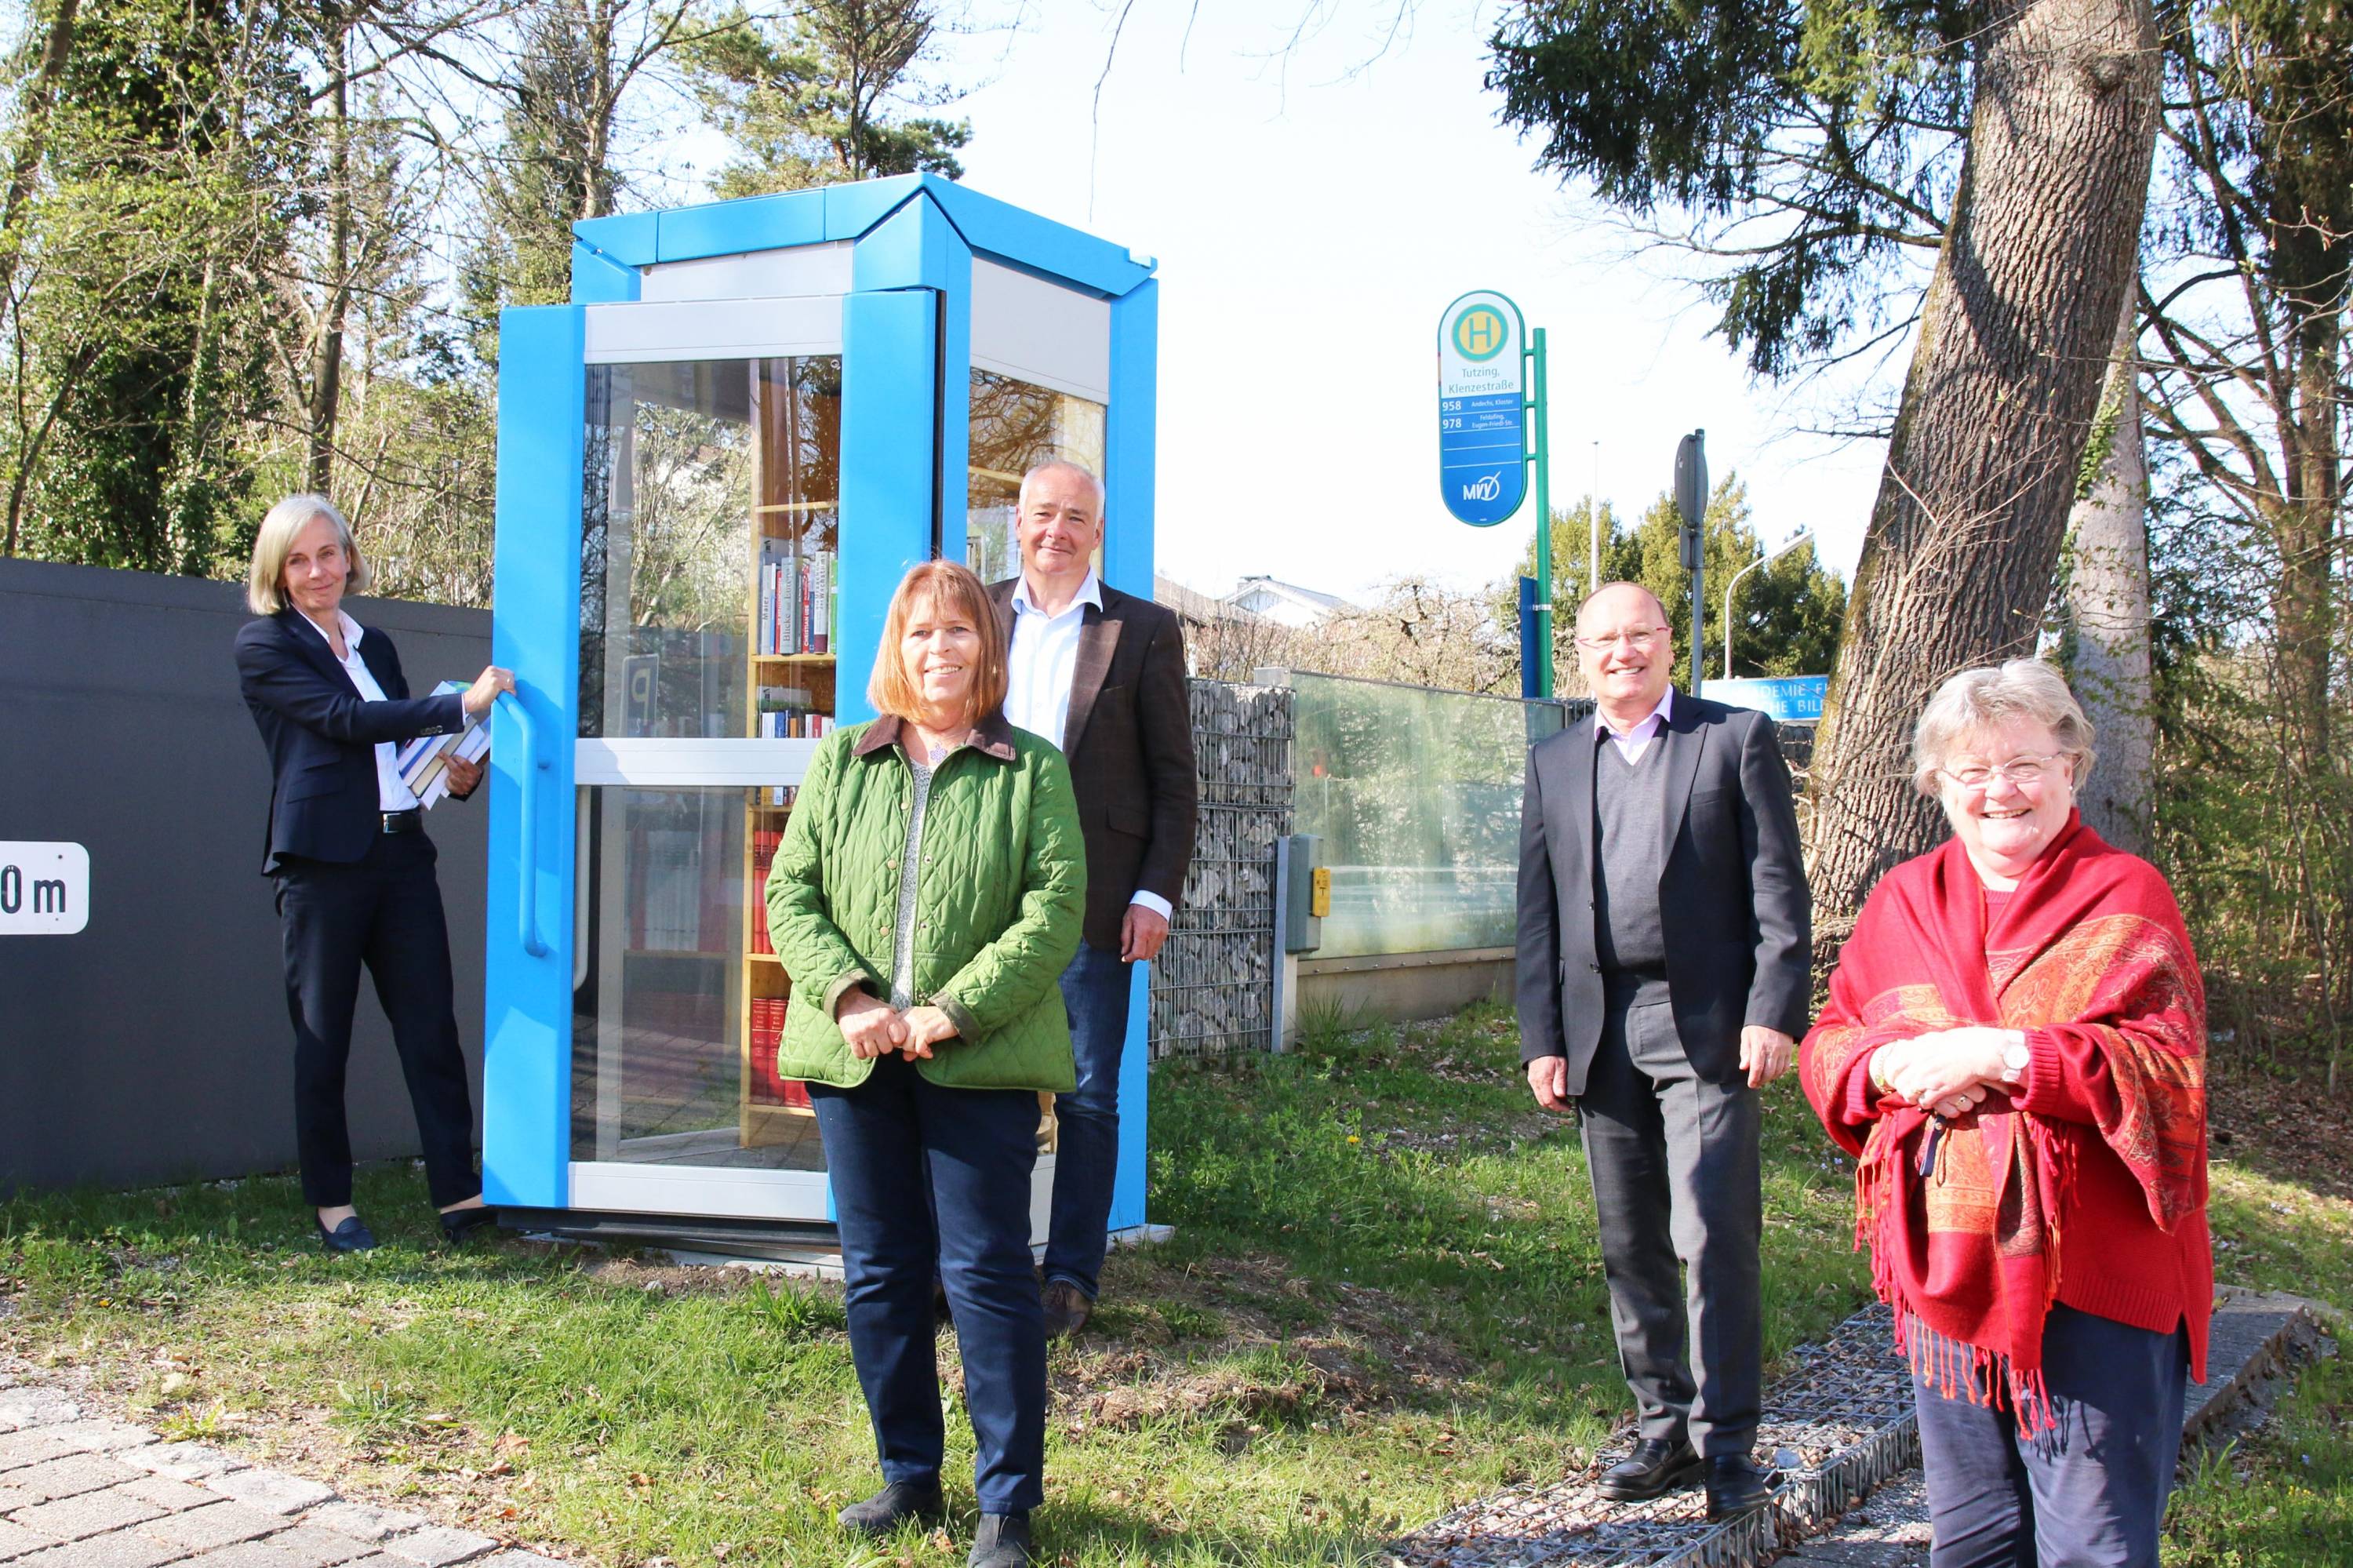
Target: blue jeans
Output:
{"points": [[891, 1143], [2089, 1493], [1086, 1147]]}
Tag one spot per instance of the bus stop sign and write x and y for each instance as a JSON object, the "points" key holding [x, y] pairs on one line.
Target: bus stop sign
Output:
{"points": [[1483, 416]]}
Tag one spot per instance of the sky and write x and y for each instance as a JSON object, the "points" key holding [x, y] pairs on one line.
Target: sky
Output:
{"points": [[1312, 211]]}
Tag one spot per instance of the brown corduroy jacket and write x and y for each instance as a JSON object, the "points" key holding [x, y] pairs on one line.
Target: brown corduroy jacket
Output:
{"points": [[1129, 739]]}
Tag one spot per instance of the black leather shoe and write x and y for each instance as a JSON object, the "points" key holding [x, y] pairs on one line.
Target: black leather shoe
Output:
{"points": [[1003, 1542], [456, 1224], [1734, 1486], [896, 1504], [352, 1235], [1655, 1467], [1067, 1310]]}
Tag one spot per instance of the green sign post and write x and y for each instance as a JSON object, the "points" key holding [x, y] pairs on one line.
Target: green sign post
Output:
{"points": [[1540, 407]]}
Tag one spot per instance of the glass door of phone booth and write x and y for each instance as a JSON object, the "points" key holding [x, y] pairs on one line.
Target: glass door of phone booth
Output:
{"points": [[768, 408], [709, 575]]}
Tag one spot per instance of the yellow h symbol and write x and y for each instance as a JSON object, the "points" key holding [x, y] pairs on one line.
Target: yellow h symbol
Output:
{"points": [[1479, 332]]}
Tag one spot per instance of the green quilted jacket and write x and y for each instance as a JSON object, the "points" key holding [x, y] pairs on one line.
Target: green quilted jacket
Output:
{"points": [[1000, 900]]}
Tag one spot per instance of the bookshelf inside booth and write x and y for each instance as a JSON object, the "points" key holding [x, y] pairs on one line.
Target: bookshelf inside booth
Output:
{"points": [[794, 605]]}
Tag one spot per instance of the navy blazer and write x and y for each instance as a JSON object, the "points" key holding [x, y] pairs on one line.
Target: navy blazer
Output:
{"points": [[1732, 891], [322, 734]]}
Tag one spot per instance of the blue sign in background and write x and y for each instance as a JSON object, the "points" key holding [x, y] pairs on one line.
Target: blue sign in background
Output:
{"points": [[1789, 699], [1482, 456]]}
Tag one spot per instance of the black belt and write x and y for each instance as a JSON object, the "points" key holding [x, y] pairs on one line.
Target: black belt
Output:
{"points": [[412, 820]]}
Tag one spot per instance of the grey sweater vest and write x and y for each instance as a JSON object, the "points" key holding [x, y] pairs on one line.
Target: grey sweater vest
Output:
{"points": [[1629, 938]]}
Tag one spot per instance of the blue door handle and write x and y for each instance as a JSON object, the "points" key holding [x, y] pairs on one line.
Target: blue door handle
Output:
{"points": [[535, 762]]}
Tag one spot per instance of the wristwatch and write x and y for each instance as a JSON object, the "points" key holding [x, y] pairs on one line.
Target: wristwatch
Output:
{"points": [[2015, 1059]]}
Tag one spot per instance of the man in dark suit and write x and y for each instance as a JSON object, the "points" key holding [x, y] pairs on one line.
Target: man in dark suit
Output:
{"points": [[1663, 976], [1101, 673]]}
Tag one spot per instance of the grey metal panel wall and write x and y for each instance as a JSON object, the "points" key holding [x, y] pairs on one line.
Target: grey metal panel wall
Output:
{"points": [[154, 1045]]}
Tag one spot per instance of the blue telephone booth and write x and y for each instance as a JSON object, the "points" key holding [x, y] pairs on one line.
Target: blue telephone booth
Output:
{"points": [[715, 465]]}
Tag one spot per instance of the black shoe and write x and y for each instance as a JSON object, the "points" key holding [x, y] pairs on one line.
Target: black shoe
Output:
{"points": [[895, 1505], [1067, 1308], [352, 1235], [1655, 1468], [1003, 1542], [1736, 1486], [456, 1224]]}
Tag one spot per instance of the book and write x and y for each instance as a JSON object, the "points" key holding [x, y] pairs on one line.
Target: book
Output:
{"points": [[424, 762]]}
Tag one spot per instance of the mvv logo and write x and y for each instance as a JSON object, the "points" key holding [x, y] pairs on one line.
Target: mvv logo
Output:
{"points": [[44, 889], [1488, 489]]}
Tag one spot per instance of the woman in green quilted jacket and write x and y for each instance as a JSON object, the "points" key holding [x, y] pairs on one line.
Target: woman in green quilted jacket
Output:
{"points": [[928, 894]]}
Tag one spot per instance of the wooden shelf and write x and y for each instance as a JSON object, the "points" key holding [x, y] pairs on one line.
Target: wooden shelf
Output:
{"points": [[784, 436]]}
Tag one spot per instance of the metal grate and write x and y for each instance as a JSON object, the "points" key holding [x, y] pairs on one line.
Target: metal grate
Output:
{"points": [[1837, 1424], [1213, 987]]}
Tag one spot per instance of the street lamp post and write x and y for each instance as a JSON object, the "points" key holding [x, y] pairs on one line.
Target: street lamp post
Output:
{"points": [[1803, 535]]}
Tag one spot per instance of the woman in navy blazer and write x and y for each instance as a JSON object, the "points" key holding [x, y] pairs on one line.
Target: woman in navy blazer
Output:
{"points": [[347, 851]]}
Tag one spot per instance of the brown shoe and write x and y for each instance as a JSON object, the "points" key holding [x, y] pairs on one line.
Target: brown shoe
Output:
{"points": [[1067, 1308]]}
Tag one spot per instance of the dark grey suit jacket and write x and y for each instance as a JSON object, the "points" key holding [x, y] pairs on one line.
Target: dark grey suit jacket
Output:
{"points": [[1739, 919], [1129, 739]]}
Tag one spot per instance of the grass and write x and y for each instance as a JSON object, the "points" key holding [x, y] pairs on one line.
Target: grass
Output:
{"points": [[2282, 1497], [1384, 1298]]}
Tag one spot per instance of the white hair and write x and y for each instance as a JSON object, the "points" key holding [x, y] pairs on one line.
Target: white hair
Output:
{"points": [[1976, 701], [265, 581], [1081, 470]]}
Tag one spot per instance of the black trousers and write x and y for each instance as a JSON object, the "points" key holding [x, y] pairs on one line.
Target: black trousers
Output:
{"points": [[1676, 1180], [384, 910]]}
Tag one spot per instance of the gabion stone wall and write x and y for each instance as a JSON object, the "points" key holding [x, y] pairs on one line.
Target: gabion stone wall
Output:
{"points": [[1213, 985]]}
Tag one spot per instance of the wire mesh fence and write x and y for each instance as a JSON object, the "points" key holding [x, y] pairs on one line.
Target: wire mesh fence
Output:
{"points": [[1213, 985]]}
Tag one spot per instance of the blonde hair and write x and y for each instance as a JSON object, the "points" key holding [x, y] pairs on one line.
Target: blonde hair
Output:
{"points": [[264, 581], [1989, 696], [952, 586]]}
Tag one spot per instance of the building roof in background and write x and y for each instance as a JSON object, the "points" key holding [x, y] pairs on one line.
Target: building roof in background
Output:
{"points": [[1192, 605], [1287, 601]]}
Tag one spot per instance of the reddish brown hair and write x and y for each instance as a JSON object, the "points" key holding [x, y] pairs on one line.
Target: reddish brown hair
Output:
{"points": [[952, 587]]}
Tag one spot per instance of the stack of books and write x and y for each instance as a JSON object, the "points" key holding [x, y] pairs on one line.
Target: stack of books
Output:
{"points": [[796, 598], [764, 856], [767, 1028], [424, 762], [789, 713]]}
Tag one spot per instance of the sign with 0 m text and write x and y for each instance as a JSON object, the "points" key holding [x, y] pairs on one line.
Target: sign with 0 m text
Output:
{"points": [[1483, 416], [44, 889], [1786, 699]]}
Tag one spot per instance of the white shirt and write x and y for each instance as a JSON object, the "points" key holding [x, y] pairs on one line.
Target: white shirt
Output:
{"points": [[1042, 664], [391, 793], [1633, 743]]}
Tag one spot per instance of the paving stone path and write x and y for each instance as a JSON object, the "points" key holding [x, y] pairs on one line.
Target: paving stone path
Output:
{"points": [[80, 1491]]}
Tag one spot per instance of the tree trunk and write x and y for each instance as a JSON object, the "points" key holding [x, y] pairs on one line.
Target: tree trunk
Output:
{"points": [[30, 151], [327, 366], [2305, 530], [2014, 340], [2107, 606]]}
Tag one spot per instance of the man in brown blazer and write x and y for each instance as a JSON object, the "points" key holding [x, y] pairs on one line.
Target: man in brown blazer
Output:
{"points": [[1101, 673]]}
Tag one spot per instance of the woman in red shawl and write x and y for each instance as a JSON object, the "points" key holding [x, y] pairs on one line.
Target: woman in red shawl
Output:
{"points": [[2015, 1049]]}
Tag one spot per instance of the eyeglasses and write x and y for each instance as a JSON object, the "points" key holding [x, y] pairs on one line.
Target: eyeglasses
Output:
{"points": [[2022, 772], [1640, 638]]}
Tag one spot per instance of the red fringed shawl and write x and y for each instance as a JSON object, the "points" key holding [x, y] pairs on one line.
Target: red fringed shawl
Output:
{"points": [[2091, 960]]}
